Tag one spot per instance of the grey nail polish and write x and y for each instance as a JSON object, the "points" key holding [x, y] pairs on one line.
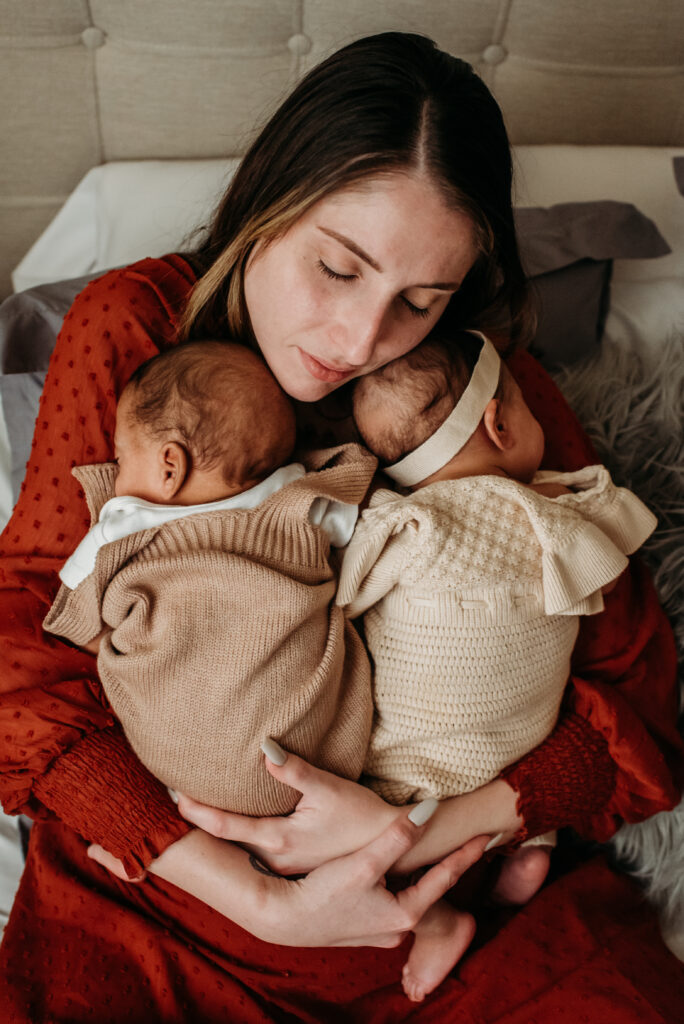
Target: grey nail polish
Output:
{"points": [[273, 751], [423, 811], [494, 841]]}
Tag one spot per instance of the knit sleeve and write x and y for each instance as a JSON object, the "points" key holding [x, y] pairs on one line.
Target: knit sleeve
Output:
{"points": [[64, 754], [615, 754]]}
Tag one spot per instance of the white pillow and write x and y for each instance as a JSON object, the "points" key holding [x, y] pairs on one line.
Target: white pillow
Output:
{"points": [[122, 212]]}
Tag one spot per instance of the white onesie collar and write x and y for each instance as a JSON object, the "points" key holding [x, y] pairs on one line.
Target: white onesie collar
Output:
{"points": [[123, 515]]}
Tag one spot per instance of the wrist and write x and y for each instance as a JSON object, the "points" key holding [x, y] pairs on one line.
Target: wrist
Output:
{"points": [[221, 875], [489, 810]]}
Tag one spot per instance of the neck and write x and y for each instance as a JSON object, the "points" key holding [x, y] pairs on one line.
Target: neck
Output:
{"points": [[201, 488], [477, 458]]}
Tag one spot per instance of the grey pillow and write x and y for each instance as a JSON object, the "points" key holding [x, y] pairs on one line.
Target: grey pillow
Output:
{"points": [[30, 322], [20, 394], [567, 251]]}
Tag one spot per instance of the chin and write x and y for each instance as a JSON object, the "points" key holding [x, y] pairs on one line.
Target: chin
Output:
{"points": [[313, 391]]}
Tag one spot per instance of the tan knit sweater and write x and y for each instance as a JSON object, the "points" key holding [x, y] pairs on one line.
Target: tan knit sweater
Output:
{"points": [[472, 590], [224, 631]]}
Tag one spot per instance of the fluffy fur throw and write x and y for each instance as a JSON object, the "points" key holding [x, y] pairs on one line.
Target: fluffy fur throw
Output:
{"points": [[631, 405]]}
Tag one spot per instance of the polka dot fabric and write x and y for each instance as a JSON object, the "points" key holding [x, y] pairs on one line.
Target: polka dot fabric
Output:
{"points": [[82, 946], [62, 750]]}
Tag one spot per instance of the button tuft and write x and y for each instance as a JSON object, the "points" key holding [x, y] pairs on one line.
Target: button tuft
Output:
{"points": [[93, 37], [299, 44], [494, 54]]}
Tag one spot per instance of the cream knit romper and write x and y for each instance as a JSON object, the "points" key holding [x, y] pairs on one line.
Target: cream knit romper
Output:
{"points": [[472, 590]]}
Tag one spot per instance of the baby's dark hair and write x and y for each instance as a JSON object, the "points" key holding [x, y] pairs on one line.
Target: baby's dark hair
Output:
{"points": [[221, 401], [397, 407]]}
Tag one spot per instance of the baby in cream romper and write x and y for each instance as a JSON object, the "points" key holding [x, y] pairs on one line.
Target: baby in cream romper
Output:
{"points": [[471, 585]]}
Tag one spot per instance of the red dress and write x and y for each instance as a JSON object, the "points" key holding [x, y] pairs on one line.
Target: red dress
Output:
{"points": [[81, 945]]}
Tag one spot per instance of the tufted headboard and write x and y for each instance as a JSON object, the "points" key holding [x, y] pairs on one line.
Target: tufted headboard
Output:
{"points": [[88, 81]]}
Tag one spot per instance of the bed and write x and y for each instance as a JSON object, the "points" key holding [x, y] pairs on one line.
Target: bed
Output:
{"points": [[122, 121]]}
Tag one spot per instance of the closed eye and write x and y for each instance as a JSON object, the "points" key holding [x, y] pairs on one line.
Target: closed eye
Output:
{"points": [[332, 274], [421, 311]]}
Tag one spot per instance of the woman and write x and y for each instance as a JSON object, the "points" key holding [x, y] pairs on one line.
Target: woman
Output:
{"points": [[375, 202]]}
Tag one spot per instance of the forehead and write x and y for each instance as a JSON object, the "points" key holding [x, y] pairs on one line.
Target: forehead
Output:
{"points": [[125, 417], [403, 219]]}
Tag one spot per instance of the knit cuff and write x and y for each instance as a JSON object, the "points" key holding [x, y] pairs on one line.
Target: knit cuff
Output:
{"points": [[564, 781], [101, 790]]}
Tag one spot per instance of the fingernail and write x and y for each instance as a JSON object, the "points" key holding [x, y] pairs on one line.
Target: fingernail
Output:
{"points": [[494, 841], [273, 751], [423, 811], [173, 794]]}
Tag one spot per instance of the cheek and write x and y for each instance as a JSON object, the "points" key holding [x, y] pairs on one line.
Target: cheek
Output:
{"points": [[402, 339], [281, 301]]}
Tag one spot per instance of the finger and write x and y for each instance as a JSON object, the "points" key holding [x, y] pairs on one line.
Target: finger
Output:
{"points": [[266, 833], [222, 824], [294, 771], [441, 877], [112, 864], [385, 940], [375, 859]]}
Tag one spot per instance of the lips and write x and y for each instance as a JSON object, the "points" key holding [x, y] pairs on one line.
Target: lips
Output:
{"points": [[323, 372]]}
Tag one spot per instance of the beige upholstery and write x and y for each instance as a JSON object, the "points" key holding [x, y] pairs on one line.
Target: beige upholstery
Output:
{"points": [[85, 81]]}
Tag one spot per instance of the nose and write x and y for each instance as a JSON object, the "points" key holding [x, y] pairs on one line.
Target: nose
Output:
{"points": [[360, 332]]}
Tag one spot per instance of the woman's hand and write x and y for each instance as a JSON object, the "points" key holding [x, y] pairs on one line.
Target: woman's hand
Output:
{"points": [[333, 818], [342, 903]]}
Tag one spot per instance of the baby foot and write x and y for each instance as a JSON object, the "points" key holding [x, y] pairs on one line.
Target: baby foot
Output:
{"points": [[522, 874], [442, 937]]}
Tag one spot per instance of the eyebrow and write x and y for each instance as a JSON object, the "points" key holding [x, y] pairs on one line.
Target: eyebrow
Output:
{"points": [[353, 247], [348, 243]]}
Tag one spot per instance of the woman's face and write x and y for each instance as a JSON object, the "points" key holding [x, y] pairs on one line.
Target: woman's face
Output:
{"points": [[357, 281]]}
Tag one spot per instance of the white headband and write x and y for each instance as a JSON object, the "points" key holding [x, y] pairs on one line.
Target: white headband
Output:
{"points": [[459, 425]]}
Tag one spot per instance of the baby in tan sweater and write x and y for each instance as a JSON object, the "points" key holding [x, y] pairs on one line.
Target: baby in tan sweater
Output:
{"points": [[205, 584], [472, 584]]}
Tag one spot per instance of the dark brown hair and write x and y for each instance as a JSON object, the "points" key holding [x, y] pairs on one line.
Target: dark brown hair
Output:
{"points": [[397, 407], [387, 102], [221, 402]]}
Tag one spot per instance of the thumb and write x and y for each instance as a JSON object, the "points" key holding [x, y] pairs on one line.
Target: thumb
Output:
{"points": [[378, 856], [290, 769]]}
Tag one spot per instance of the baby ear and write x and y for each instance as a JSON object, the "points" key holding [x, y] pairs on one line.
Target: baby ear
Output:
{"points": [[173, 468], [496, 425]]}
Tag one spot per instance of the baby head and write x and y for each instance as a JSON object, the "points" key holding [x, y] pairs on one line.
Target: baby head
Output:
{"points": [[448, 409], [201, 422]]}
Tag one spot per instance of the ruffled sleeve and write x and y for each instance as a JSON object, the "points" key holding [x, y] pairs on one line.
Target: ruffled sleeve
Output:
{"points": [[616, 511]]}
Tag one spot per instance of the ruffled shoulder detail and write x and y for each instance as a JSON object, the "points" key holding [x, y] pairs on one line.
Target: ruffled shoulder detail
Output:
{"points": [[382, 544], [574, 573], [585, 537], [617, 511]]}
